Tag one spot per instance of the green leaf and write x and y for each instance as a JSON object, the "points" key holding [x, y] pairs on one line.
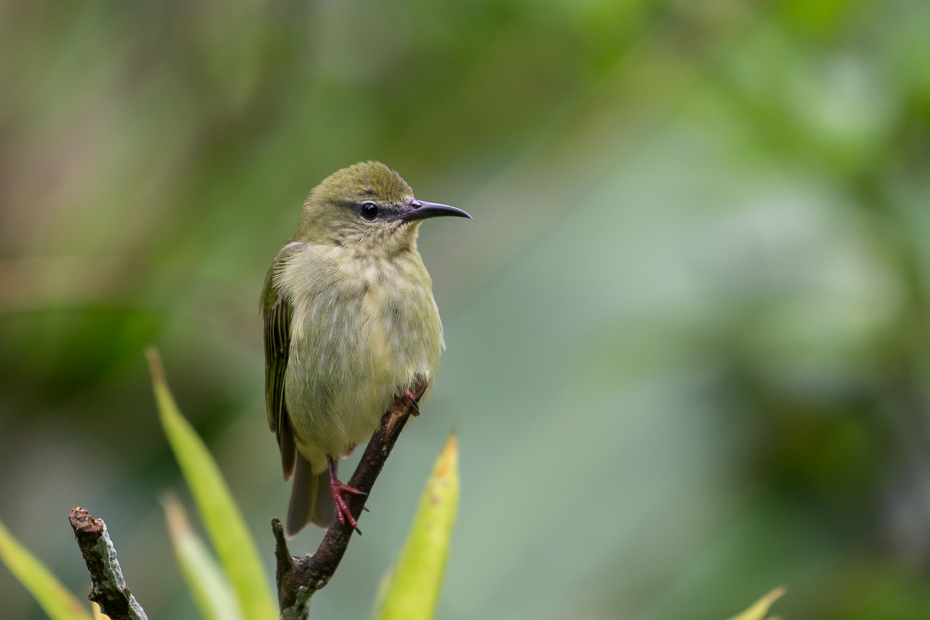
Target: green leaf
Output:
{"points": [[758, 611], [414, 587], [208, 584], [52, 597], [224, 524]]}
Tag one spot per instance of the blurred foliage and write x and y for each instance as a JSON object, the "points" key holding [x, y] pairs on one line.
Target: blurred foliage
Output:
{"points": [[234, 545], [206, 581], [761, 607], [51, 596], [688, 331], [412, 587]]}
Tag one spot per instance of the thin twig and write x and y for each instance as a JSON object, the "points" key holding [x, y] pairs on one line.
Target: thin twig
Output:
{"points": [[299, 578], [108, 586]]}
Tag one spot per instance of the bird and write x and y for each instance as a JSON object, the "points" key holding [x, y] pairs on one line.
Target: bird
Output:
{"points": [[349, 322]]}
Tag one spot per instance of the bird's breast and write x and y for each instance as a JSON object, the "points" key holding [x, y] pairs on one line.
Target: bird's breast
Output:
{"points": [[402, 323], [360, 333]]}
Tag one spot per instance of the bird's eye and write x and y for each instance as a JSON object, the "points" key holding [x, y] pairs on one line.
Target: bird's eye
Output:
{"points": [[369, 210]]}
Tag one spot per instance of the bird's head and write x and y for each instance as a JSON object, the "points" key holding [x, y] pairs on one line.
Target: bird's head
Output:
{"points": [[368, 207]]}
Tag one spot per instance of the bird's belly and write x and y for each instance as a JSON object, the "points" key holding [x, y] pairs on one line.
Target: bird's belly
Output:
{"points": [[348, 358]]}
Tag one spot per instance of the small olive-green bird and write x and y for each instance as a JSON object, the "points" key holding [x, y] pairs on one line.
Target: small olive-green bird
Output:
{"points": [[350, 321]]}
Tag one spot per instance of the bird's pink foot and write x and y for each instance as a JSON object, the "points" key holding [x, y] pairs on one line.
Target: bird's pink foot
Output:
{"points": [[414, 405], [337, 489]]}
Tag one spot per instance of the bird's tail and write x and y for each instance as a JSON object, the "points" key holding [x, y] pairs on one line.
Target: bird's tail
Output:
{"points": [[311, 499]]}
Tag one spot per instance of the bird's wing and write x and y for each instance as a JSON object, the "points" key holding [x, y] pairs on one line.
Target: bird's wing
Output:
{"points": [[277, 312]]}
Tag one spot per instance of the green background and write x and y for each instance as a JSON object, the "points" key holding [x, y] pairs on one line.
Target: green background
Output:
{"points": [[688, 331]]}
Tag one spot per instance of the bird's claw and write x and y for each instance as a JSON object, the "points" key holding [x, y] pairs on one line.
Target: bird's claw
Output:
{"points": [[414, 405], [342, 508], [338, 489]]}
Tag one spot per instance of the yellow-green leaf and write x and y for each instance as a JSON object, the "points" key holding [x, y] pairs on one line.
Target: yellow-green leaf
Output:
{"points": [[52, 597], [231, 539], [207, 583], [414, 587], [758, 611]]}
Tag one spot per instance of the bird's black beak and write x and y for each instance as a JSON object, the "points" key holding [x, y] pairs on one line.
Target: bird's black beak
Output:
{"points": [[422, 210]]}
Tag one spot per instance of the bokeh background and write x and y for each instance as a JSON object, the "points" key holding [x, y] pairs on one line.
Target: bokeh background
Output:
{"points": [[688, 331]]}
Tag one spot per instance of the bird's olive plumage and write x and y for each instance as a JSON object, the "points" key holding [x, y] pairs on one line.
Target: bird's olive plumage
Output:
{"points": [[350, 321]]}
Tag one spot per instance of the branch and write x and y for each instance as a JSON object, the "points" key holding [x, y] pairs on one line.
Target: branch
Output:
{"points": [[108, 586], [299, 578]]}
